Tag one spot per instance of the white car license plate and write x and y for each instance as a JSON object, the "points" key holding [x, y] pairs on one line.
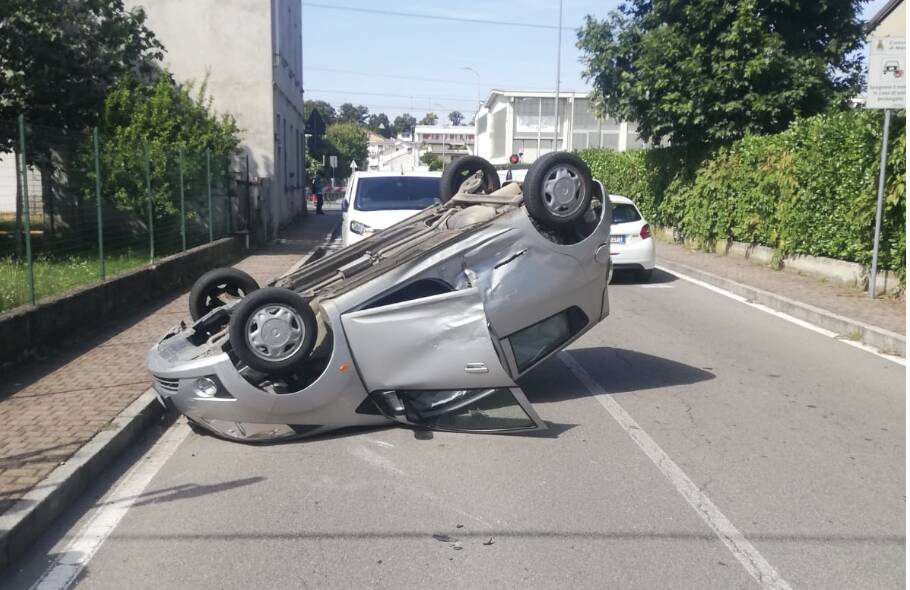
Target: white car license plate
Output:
{"points": [[617, 239]]}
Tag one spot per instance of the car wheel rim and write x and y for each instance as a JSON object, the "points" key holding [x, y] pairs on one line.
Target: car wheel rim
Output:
{"points": [[563, 191], [275, 332]]}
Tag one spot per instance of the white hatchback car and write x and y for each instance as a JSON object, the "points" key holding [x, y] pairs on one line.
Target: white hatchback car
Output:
{"points": [[377, 200], [631, 244]]}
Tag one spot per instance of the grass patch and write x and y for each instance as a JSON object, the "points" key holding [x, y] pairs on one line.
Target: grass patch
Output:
{"points": [[57, 274]]}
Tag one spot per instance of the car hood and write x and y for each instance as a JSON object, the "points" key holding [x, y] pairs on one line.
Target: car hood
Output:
{"points": [[382, 219]]}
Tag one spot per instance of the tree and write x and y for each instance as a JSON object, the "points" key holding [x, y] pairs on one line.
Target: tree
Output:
{"points": [[404, 124], [710, 71], [326, 111], [351, 114], [349, 142], [162, 116], [429, 119], [59, 59], [433, 161], [380, 124], [456, 118]]}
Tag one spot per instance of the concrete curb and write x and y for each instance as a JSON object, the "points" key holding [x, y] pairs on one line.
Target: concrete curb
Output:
{"points": [[27, 519], [880, 338]]}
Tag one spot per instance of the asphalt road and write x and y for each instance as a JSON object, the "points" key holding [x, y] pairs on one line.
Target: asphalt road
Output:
{"points": [[797, 440]]}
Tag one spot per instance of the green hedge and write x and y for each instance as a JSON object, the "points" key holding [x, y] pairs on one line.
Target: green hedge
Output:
{"points": [[808, 190]]}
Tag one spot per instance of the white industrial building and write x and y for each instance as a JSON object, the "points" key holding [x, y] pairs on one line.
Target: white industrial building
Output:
{"points": [[519, 122], [446, 141], [249, 53]]}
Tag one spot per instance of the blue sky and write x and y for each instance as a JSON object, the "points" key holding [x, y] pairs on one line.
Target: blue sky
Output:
{"points": [[394, 63]]}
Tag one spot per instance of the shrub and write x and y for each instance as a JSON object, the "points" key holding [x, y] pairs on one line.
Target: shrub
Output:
{"points": [[808, 190]]}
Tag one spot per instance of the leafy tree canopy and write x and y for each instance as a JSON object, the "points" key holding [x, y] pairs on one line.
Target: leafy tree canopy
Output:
{"points": [[164, 116], [348, 112], [429, 119], [433, 161], [349, 142], [456, 118], [404, 124], [60, 58], [711, 71], [326, 111], [380, 124]]}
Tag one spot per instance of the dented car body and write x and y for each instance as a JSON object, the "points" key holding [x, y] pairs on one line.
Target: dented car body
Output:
{"points": [[428, 323]]}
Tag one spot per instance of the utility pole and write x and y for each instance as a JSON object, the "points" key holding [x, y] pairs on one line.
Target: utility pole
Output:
{"points": [[558, 64]]}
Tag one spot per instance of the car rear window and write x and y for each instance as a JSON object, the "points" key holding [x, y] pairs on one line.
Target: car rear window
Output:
{"points": [[396, 192], [624, 213]]}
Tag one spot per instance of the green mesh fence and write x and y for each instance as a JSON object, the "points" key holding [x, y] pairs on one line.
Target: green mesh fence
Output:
{"points": [[156, 200]]}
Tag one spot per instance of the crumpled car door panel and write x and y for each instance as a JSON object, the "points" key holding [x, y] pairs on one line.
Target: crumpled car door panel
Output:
{"points": [[439, 342]]}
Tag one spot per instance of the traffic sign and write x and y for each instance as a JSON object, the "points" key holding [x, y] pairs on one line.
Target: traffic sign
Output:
{"points": [[353, 164], [887, 84], [333, 161]]}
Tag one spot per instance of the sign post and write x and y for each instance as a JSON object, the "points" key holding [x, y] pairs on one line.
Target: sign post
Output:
{"points": [[887, 90], [333, 162]]}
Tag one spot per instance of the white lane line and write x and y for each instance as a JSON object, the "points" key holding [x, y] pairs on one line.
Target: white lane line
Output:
{"points": [[787, 317], [746, 553], [656, 286], [111, 509]]}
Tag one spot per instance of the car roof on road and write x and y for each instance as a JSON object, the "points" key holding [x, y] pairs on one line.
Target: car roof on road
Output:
{"points": [[621, 199], [376, 174]]}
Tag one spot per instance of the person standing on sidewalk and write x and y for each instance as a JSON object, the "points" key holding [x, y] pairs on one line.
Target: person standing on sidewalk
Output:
{"points": [[318, 189]]}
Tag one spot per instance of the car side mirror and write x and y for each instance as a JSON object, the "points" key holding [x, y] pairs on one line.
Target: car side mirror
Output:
{"points": [[344, 204]]}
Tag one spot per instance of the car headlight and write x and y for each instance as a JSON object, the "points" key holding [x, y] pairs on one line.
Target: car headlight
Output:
{"points": [[205, 387], [361, 229]]}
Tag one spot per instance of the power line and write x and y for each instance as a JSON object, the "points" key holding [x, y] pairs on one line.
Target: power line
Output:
{"points": [[421, 79], [433, 16], [413, 96], [437, 108]]}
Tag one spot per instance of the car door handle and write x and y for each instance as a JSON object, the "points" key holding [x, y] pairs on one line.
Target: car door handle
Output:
{"points": [[476, 368]]}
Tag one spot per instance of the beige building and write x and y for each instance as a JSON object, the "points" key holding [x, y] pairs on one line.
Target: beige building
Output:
{"points": [[250, 54]]}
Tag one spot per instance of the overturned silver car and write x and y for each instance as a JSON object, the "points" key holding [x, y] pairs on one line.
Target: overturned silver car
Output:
{"points": [[427, 323]]}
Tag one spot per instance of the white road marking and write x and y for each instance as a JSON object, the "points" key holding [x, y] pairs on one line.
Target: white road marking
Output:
{"points": [[746, 553], [656, 286], [111, 509], [787, 317]]}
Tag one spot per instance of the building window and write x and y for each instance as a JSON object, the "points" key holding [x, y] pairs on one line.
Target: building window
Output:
{"points": [[498, 135]]}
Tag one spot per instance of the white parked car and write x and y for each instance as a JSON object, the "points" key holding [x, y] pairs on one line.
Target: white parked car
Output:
{"points": [[377, 200], [631, 244]]}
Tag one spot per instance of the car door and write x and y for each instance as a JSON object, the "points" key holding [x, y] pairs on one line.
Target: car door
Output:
{"points": [[431, 362]]}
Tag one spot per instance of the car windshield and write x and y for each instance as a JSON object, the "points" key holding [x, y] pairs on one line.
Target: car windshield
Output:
{"points": [[624, 213], [396, 192]]}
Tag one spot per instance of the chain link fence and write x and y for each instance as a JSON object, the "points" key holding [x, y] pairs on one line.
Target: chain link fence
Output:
{"points": [[77, 207]]}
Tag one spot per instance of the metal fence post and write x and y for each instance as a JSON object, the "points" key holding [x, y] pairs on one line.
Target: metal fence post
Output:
{"points": [[98, 198], [208, 182], [148, 193], [883, 166], [29, 263], [182, 199]]}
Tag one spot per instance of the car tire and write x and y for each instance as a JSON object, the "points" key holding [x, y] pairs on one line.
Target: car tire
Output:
{"points": [[273, 330], [460, 170], [558, 189], [643, 275], [206, 291]]}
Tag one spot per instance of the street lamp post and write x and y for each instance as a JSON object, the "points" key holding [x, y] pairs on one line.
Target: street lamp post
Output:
{"points": [[473, 71]]}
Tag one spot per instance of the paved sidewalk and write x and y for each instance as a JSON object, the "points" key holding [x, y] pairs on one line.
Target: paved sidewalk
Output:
{"points": [[884, 312], [51, 408]]}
